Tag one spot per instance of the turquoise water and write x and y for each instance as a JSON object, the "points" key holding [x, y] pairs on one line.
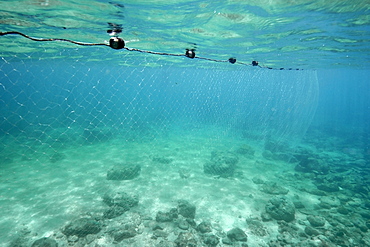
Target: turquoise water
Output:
{"points": [[104, 147], [296, 34]]}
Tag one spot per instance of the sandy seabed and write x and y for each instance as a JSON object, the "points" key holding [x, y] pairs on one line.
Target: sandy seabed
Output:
{"points": [[41, 194]]}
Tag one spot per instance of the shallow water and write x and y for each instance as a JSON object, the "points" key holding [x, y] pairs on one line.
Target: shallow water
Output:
{"points": [[281, 155], [281, 34]]}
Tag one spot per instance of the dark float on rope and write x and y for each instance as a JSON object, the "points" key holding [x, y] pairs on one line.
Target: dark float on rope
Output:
{"points": [[232, 60], [117, 43], [190, 53]]}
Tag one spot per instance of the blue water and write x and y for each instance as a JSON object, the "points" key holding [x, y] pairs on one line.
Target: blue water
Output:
{"points": [[119, 98], [65, 124], [344, 101], [237, 142]]}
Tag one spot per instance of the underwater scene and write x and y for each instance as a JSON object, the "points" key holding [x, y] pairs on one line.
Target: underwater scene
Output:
{"points": [[184, 123]]}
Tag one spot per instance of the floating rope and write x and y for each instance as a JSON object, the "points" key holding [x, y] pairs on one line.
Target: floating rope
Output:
{"points": [[118, 43]]}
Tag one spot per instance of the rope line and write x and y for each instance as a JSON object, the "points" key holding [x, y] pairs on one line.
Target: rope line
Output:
{"points": [[118, 43]]}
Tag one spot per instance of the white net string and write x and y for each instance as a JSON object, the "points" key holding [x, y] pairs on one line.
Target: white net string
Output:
{"points": [[65, 122]]}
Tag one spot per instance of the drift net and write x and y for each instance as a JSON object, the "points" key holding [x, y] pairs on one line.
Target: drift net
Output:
{"points": [[97, 143]]}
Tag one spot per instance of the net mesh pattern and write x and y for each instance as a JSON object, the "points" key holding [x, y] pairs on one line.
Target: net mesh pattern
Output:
{"points": [[82, 138]]}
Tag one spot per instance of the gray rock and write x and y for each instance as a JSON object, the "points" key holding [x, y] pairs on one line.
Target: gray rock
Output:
{"points": [[183, 224], [316, 192], [324, 205], [45, 242], [120, 199], [316, 221], [167, 216], [346, 221], [265, 217], [191, 222], [157, 227], [224, 157], [186, 209], [124, 172], [160, 234], [114, 212], [186, 239], [360, 223], [312, 165], [90, 238], [174, 212], [343, 210], [298, 204], [227, 241], [204, 227], [211, 240], [237, 234], [281, 209], [311, 231], [72, 239], [164, 217], [364, 213], [328, 187], [277, 151], [82, 227], [164, 243], [124, 234], [221, 163]]}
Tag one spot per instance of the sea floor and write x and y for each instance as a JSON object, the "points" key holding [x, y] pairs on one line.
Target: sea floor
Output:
{"points": [[187, 188]]}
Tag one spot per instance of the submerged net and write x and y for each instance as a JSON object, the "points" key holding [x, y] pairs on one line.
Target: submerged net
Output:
{"points": [[68, 125], [85, 102]]}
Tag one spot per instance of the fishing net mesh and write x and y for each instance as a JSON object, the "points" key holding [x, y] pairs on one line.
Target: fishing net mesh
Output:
{"points": [[78, 126]]}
